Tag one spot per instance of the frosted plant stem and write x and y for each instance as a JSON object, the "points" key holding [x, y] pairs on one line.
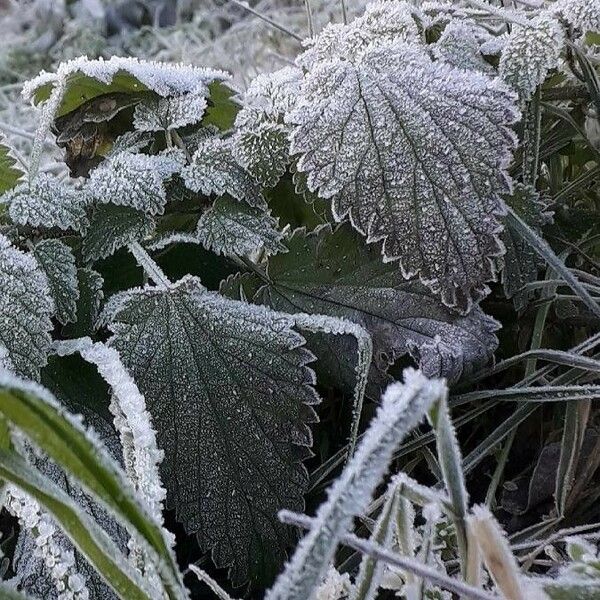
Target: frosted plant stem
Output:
{"points": [[49, 110], [370, 570], [531, 139], [344, 12], [210, 582], [150, 267], [309, 18], [340, 326], [391, 558], [40, 525], [266, 19], [450, 460]]}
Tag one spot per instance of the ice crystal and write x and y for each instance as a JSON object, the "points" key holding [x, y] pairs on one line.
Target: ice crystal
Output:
{"points": [[158, 114], [530, 53], [138, 440], [162, 78], [234, 228], [25, 310], [112, 227], [415, 153], [403, 407], [135, 420], [58, 263], [224, 381], [214, 170], [336, 273], [46, 202], [134, 180]]}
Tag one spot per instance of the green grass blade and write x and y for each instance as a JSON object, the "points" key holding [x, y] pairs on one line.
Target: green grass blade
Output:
{"points": [[86, 535], [37, 415]]}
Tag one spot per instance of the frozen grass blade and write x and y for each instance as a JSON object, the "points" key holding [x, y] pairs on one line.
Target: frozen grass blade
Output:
{"points": [[383, 554], [403, 407]]}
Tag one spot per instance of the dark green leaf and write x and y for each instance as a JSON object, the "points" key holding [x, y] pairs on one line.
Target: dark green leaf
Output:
{"points": [[228, 390]]}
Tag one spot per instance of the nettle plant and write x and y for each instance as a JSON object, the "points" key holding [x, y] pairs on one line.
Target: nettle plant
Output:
{"points": [[212, 256]]}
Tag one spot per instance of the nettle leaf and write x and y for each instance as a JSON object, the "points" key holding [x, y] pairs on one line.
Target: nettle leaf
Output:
{"points": [[261, 142], [9, 172], [26, 307], [414, 152], [521, 262], [264, 151], [85, 79], [46, 202], [112, 227], [382, 23], [58, 263], [234, 228], [459, 46], [580, 14], [530, 53], [214, 170], [158, 114], [90, 284], [135, 180], [336, 273], [229, 393]]}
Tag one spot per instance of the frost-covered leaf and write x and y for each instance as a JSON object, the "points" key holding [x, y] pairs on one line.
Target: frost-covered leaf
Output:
{"points": [[460, 47], [88, 306], [9, 172], [214, 170], [26, 308], [85, 79], [234, 228], [382, 23], [264, 151], [112, 227], [134, 180], [46, 202], [269, 97], [261, 143], [583, 15], [521, 262], [415, 153], [158, 114], [337, 274], [58, 263], [402, 408], [530, 53], [228, 390]]}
